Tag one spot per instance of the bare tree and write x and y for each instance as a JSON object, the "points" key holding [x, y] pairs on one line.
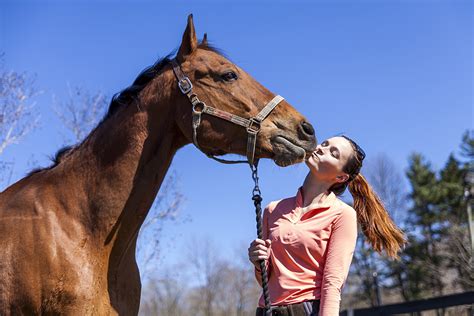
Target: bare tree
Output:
{"points": [[227, 286], [213, 285], [18, 115], [460, 257], [369, 270], [455, 183], [165, 295], [206, 267], [387, 181], [165, 207], [81, 111], [245, 289]]}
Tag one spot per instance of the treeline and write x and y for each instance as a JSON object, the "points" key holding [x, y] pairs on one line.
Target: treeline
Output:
{"points": [[205, 283], [428, 204], [438, 257]]}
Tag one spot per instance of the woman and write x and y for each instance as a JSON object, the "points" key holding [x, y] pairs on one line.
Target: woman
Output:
{"points": [[309, 239]]}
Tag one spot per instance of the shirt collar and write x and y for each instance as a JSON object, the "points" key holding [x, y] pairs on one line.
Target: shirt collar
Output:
{"points": [[326, 202]]}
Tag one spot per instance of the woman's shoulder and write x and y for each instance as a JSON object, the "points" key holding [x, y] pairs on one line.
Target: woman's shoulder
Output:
{"points": [[279, 204], [345, 209]]}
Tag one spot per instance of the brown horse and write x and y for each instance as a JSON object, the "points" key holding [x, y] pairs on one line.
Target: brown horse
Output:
{"points": [[68, 232]]}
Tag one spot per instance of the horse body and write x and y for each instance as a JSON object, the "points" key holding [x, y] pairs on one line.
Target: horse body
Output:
{"points": [[66, 248], [68, 233], [76, 254]]}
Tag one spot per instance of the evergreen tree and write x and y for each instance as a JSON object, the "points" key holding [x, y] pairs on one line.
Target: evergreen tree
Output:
{"points": [[467, 146], [453, 205], [425, 262]]}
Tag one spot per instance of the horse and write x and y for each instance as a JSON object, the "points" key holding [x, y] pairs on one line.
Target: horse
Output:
{"points": [[68, 232]]}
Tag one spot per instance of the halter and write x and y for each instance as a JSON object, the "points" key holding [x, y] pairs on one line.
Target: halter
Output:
{"points": [[252, 125]]}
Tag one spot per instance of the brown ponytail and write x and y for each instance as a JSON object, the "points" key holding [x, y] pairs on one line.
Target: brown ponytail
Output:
{"points": [[377, 226]]}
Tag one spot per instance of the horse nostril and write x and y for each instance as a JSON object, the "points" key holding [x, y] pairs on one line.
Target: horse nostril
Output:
{"points": [[307, 128]]}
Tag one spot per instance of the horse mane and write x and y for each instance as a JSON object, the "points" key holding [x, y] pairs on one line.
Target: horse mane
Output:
{"points": [[60, 154], [129, 94], [123, 98]]}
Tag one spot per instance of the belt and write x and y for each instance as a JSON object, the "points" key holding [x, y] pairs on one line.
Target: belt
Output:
{"points": [[307, 308]]}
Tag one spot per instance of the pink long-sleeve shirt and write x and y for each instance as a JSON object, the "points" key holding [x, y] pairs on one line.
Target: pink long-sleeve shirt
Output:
{"points": [[310, 253]]}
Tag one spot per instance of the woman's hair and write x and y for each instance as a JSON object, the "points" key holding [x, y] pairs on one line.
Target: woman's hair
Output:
{"points": [[376, 224]]}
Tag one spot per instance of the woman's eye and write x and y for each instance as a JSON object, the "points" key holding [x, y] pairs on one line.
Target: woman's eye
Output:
{"points": [[229, 76]]}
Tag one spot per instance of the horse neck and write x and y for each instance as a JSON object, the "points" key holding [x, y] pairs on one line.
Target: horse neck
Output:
{"points": [[125, 160]]}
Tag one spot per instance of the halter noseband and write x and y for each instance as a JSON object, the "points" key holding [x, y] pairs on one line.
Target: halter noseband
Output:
{"points": [[252, 125]]}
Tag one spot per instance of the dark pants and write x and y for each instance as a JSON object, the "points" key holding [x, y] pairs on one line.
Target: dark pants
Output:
{"points": [[309, 308]]}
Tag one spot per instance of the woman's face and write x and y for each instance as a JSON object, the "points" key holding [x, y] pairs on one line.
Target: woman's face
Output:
{"points": [[329, 158]]}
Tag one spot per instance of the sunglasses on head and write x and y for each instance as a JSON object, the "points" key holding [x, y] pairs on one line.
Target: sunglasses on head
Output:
{"points": [[359, 150]]}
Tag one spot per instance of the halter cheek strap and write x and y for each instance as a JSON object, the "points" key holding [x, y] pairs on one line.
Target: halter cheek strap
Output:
{"points": [[252, 125]]}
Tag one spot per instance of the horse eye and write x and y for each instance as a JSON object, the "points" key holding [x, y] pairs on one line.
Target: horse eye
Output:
{"points": [[229, 76]]}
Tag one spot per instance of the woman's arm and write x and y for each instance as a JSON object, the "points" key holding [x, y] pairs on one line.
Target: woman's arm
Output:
{"points": [[338, 260]]}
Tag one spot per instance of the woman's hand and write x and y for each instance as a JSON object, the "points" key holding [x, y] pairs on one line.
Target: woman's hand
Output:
{"points": [[259, 250]]}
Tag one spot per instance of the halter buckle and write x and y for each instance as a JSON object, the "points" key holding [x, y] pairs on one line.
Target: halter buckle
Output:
{"points": [[254, 126], [185, 85]]}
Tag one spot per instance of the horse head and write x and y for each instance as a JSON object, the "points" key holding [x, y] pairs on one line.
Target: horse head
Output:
{"points": [[285, 136]]}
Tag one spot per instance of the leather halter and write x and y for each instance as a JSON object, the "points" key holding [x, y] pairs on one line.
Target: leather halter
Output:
{"points": [[252, 125]]}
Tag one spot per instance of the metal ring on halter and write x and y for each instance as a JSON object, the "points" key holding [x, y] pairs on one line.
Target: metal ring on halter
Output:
{"points": [[199, 107]]}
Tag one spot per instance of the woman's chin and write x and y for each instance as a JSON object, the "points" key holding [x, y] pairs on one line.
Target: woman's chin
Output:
{"points": [[311, 161], [312, 165]]}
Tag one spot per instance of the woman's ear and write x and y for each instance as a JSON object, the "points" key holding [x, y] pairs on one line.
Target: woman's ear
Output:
{"points": [[342, 178]]}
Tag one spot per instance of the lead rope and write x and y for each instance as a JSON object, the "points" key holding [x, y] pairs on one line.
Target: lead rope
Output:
{"points": [[252, 126], [257, 200]]}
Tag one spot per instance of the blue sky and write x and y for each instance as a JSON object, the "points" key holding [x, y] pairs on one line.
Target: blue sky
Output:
{"points": [[394, 75]]}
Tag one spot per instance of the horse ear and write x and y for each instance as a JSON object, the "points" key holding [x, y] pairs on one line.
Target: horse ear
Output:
{"points": [[204, 40], [189, 42]]}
